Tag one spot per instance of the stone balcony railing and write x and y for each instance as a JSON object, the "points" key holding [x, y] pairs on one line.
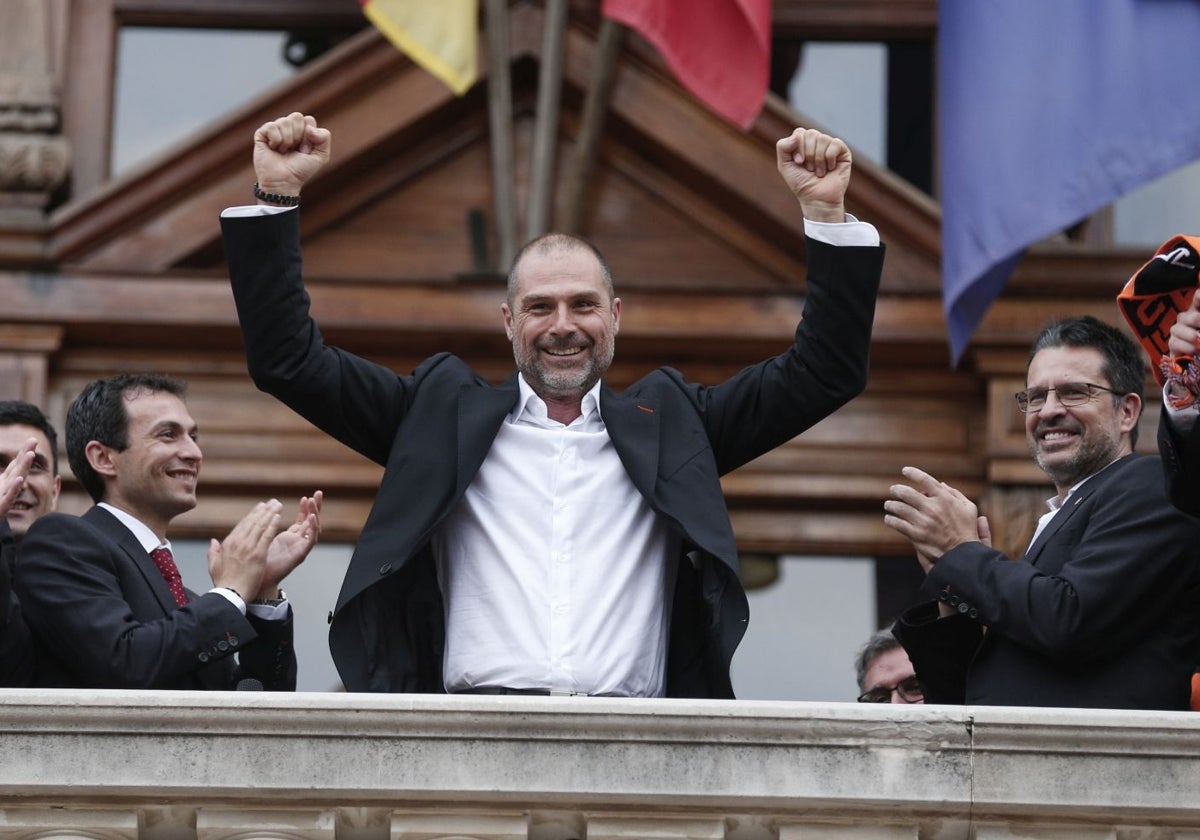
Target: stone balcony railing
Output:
{"points": [[78, 765]]}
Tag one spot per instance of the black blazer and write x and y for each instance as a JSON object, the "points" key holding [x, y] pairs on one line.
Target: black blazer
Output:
{"points": [[433, 428], [1103, 611], [16, 642], [104, 617], [1181, 464]]}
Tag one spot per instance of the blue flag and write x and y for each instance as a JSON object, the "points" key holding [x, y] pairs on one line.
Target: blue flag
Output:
{"points": [[1050, 110]]}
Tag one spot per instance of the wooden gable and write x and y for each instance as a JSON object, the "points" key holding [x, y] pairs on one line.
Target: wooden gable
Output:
{"points": [[705, 242]]}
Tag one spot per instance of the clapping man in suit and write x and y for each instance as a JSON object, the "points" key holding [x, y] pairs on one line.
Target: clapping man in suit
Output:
{"points": [[21, 422], [16, 642], [29, 487], [1103, 610], [548, 536], [102, 593]]}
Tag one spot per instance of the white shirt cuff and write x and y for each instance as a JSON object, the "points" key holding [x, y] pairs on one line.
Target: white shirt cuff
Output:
{"points": [[253, 210], [230, 596], [1181, 419], [849, 232]]}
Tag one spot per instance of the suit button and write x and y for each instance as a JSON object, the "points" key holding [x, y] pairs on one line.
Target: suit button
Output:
{"points": [[222, 646], [974, 613], [943, 595], [954, 600], [385, 568], [203, 656], [233, 641], [964, 608]]}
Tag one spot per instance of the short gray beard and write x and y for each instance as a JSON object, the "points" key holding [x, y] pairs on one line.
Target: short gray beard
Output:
{"points": [[1091, 457], [564, 384]]}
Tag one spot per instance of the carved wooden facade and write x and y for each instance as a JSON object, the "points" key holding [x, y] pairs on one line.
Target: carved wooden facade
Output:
{"points": [[100, 274]]}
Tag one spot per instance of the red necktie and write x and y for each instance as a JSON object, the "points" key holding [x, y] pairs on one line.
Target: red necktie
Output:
{"points": [[170, 572]]}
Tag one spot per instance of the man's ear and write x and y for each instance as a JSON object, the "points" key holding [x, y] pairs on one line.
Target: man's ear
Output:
{"points": [[55, 492], [1130, 411], [101, 458], [508, 319]]}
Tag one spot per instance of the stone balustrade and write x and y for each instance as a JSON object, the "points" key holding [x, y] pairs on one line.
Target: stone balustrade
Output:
{"points": [[80, 765]]}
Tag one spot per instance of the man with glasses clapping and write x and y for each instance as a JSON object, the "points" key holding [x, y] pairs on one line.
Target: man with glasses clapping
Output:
{"points": [[1103, 609]]}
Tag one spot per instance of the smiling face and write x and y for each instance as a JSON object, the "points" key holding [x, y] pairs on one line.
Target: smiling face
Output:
{"points": [[39, 494], [1071, 443], [562, 322], [155, 476]]}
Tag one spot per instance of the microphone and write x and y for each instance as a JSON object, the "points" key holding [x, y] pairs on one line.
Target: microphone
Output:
{"points": [[249, 684]]}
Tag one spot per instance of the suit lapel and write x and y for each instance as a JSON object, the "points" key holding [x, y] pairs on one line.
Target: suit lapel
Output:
{"points": [[632, 423], [127, 543], [633, 426], [480, 413], [1082, 494]]}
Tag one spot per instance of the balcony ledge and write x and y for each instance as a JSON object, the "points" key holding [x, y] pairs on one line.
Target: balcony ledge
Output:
{"points": [[116, 765]]}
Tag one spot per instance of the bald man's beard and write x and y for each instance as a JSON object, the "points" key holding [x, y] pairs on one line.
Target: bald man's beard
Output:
{"points": [[571, 382]]}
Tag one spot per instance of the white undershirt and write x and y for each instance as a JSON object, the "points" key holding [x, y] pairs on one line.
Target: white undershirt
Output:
{"points": [[553, 568]]}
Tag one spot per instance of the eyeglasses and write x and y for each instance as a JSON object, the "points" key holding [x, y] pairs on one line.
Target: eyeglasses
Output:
{"points": [[908, 689], [1069, 393]]}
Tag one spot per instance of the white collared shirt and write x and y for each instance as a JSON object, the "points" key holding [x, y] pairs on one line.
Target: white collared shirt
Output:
{"points": [[553, 568]]}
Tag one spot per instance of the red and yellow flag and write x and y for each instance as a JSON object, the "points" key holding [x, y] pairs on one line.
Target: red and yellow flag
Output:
{"points": [[439, 35]]}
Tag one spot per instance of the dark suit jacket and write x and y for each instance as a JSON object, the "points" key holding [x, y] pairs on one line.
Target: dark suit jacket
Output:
{"points": [[1181, 464], [104, 617], [16, 642], [432, 430], [1103, 611]]}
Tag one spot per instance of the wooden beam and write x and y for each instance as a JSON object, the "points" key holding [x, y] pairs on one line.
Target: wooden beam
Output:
{"points": [[240, 14], [595, 108], [500, 121], [854, 20], [539, 216]]}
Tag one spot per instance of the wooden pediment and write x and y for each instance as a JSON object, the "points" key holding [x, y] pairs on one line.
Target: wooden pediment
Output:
{"points": [[705, 242]]}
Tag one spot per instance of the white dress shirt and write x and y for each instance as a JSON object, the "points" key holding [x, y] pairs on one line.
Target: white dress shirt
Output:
{"points": [[553, 568]]}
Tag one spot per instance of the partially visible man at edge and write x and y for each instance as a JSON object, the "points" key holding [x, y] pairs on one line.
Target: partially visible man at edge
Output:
{"points": [[1178, 432], [102, 593], [548, 535], [29, 488], [20, 421], [884, 672]]}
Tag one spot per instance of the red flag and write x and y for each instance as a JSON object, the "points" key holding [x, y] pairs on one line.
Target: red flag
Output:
{"points": [[720, 50]]}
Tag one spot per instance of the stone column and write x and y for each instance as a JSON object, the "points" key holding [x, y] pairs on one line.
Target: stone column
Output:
{"points": [[34, 156]]}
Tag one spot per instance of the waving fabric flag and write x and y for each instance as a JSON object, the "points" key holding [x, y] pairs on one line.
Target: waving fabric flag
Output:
{"points": [[439, 35], [1050, 110], [720, 50]]}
